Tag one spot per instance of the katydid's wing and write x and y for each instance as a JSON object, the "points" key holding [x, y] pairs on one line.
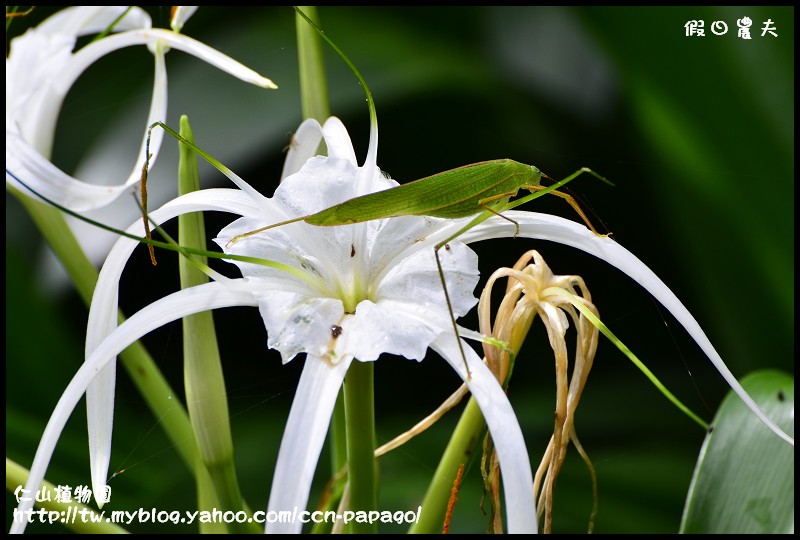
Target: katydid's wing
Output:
{"points": [[450, 194]]}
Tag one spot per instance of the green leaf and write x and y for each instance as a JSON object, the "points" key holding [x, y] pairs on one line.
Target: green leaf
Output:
{"points": [[744, 478]]}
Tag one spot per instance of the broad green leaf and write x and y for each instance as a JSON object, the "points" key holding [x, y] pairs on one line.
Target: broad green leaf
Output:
{"points": [[744, 479]]}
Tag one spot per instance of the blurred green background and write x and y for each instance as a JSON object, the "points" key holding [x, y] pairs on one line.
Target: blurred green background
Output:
{"points": [[697, 133]]}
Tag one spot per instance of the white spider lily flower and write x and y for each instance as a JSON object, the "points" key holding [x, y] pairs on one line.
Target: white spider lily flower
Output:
{"points": [[42, 67], [376, 282]]}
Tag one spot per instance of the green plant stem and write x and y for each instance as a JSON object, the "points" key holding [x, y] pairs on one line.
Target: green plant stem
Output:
{"points": [[460, 450], [313, 83], [206, 395], [336, 436], [359, 406]]}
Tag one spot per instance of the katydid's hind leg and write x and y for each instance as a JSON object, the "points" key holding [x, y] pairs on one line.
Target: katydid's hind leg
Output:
{"points": [[450, 306], [482, 204], [572, 202]]}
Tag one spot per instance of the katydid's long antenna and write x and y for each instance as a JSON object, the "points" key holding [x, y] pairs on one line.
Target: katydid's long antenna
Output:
{"points": [[372, 152], [165, 245]]}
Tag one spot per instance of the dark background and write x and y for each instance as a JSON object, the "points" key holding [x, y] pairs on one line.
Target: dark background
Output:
{"points": [[697, 133]]}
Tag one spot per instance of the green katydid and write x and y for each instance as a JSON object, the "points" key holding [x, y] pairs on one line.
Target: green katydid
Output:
{"points": [[481, 189]]}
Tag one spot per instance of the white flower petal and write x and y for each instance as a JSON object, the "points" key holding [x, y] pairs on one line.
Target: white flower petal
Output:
{"points": [[338, 141], [100, 422], [85, 20], [303, 147], [506, 434], [564, 231], [105, 299], [415, 279], [42, 68], [152, 36], [37, 61], [38, 58], [297, 323], [48, 180], [322, 182], [170, 308], [103, 314], [388, 327], [303, 438], [307, 138]]}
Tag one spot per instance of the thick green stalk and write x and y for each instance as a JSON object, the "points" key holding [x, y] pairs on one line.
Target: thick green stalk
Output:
{"points": [[460, 450], [313, 84], [203, 378], [359, 407], [336, 436]]}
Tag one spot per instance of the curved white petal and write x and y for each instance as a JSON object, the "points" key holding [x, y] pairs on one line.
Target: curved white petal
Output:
{"points": [[100, 421], [40, 71], [85, 20], [170, 308], [152, 36], [104, 308], [38, 58], [564, 231], [48, 180], [303, 438], [45, 178], [338, 141], [506, 434], [307, 138], [303, 147]]}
